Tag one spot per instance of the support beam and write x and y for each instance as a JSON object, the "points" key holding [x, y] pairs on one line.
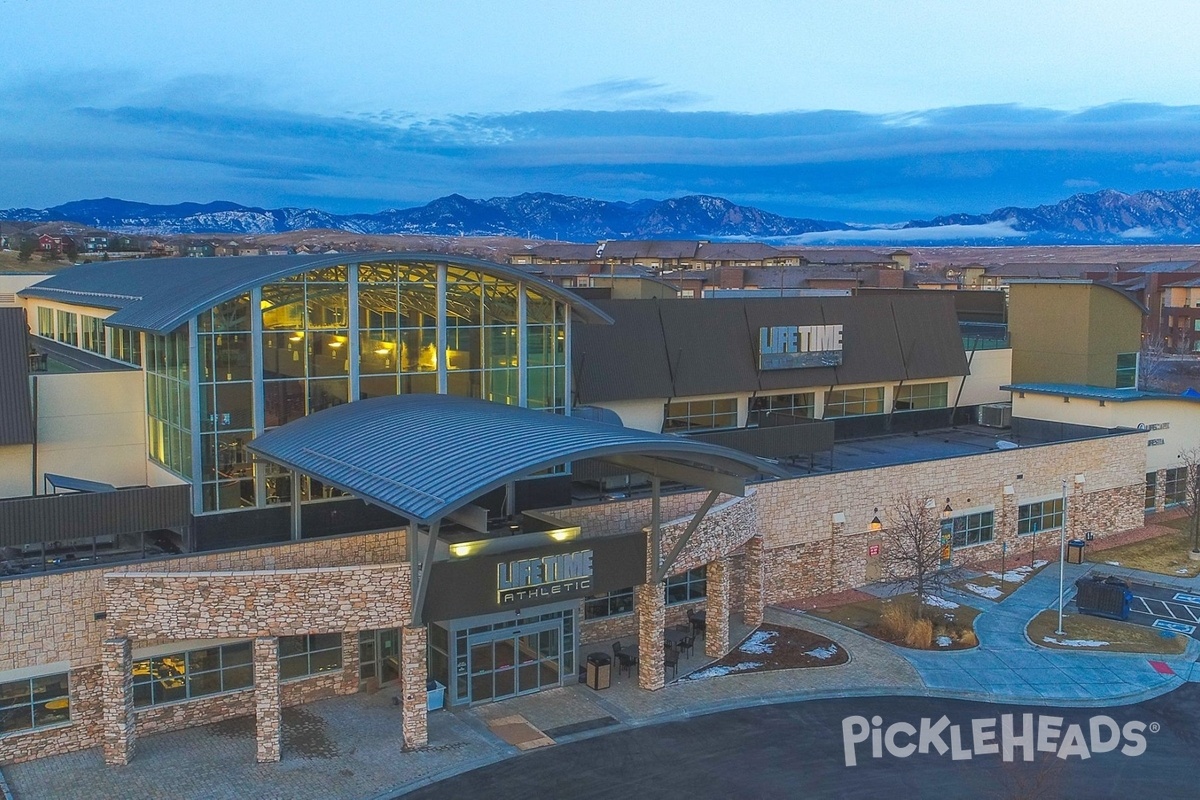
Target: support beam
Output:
{"points": [[422, 574], [662, 571], [296, 509], [268, 710], [681, 473], [655, 528]]}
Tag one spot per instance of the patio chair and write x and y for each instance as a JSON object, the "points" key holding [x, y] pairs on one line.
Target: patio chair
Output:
{"points": [[625, 661], [697, 623], [687, 645], [671, 659]]}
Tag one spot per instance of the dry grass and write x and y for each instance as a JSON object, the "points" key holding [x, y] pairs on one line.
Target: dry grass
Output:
{"points": [[1166, 555], [1005, 588], [1120, 637], [895, 620]]}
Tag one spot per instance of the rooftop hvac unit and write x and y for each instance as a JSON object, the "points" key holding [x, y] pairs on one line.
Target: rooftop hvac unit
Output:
{"points": [[995, 415]]}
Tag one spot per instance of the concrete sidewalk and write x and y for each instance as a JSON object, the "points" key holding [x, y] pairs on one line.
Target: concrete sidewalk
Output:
{"points": [[350, 746]]}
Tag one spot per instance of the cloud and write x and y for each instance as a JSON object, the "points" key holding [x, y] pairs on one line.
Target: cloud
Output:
{"points": [[196, 137], [1140, 232], [631, 93], [885, 235]]}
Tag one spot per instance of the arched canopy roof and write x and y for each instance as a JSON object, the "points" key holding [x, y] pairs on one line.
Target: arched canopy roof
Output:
{"points": [[424, 456], [157, 295]]}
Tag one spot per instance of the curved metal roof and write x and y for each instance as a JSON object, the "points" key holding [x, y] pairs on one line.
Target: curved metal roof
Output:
{"points": [[158, 295], [423, 456]]}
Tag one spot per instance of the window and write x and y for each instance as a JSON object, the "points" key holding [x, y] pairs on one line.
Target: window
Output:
{"points": [[797, 405], [34, 703], [1044, 516], [1175, 486], [854, 402], [45, 322], [67, 324], [125, 345], [691, 585], [1151, 487], [692, 415], [971, 529], [921, 395], [192, 673], [1127, 364], [309, 655], [607, 605], [91, 334]]}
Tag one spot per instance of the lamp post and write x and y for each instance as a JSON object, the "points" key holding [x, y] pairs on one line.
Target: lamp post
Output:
{"points": [[1062, 557]]}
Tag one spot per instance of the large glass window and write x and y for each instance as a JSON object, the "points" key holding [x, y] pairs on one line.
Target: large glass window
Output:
{"points": [[168, 401], [854, 402], [226, 405], [916, 396], [1151, 487], [796, 405], [91, 334], [1127, 370], [1175, 486], [397, 337], [1036, 517], [311, 654], [971, 529], [192, 673], [34, 703], [45, 322], [67, 327], [124, 345], [693, 415], [546, 352], [691, 585], [609, 604]]}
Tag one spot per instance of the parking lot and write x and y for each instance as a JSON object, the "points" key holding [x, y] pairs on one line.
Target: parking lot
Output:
{"points": [[1165, 609]]}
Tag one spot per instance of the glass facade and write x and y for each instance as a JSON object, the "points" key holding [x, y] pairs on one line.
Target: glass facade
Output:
{"points": [[1044, 516], [798, 405], [168, 401], [34, 703], [300, 656], [67, 327], [1151, 487], [683, 588], [700, 415], [1127, 364], [971, 529], [1175, 486], [853, 402], [318, 339], [92, 334], [504, 658], [45, 322]]}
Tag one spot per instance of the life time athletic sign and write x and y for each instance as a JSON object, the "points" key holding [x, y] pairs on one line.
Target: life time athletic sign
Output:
{"points": [[550, 573], [794, 346], [545, 577]]}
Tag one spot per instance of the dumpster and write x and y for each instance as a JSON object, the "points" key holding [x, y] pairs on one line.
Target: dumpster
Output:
{"points": [[599, 671], [1103, 596], [1075, 551]]}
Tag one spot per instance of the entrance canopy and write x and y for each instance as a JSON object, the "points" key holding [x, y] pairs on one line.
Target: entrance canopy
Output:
{"points": [[424, 456]]}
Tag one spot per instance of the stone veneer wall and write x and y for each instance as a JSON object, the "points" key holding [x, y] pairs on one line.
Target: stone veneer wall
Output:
{"points": [[725, 528], [622, 626], [65, 603], [208, 605], [81, 732]]}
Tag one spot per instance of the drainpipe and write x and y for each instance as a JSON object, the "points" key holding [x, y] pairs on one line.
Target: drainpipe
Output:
{"points": [[33, 461]]}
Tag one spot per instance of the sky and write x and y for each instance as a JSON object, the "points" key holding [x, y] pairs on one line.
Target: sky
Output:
{"points": [[852, 110]]}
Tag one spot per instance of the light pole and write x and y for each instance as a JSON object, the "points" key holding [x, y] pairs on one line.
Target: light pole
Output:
{"points": [[1062, 557]]}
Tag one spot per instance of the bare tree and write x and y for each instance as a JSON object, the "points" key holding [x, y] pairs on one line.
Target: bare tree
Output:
{"points": [[1154, 364], [1190, 458], [912, 546]]}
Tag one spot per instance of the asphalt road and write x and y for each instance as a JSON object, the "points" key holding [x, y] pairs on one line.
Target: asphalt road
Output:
{"points": [[796, 750]]}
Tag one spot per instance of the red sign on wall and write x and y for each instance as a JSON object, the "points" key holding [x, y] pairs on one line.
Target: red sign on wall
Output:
{"points": [[872, 551]]}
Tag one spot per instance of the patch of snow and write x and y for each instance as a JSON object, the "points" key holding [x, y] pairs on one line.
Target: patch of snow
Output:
{"points": [[823, 653], [1113, 563], [1017, 574], [720, 671], [1075, 642], [938, 602], [944, 641], [759, 643], [990, 592], [1181, 572]]}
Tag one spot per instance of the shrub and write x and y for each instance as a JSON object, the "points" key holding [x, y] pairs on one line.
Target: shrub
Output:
{"points": [[920, 635], [967, 638], [896, 620]]}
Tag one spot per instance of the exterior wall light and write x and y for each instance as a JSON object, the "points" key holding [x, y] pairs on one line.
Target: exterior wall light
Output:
{"points": [[947, 511], [876, 525]]}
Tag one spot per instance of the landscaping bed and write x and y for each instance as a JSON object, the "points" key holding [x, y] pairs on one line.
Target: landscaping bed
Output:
{"points": [[995, 585], [943, 625], [1166, 554], [1085, 632], [773, 647]]}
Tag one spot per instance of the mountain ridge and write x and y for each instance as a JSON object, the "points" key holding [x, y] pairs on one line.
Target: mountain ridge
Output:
{"points": [[1104, 216]]}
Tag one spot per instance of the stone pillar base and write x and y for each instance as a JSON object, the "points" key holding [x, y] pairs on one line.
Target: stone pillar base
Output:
{"points": [[752, 610], [716, 624], [649, 603], [116, 671], [414, 672], [268, 712]]}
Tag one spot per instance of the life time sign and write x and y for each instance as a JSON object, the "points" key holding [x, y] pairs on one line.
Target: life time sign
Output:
{"points": [[793, 346], [544, 577]]}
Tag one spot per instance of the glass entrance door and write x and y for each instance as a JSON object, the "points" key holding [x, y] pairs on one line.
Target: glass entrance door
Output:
{"points": [[509, 662], [379, 656]]}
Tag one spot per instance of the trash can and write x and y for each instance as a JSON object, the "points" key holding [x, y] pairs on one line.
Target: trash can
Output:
{"points": [[435, 695], [1075, 551], [599, 671], [1103, 596]]}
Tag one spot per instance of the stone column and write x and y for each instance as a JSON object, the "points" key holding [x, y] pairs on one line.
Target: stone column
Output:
{"points": [[414, 672], [116, 680], [716, 609], [752, 611], [349, 663], [1160, 490], [268, 713], [650, 607], [835, 536]]}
